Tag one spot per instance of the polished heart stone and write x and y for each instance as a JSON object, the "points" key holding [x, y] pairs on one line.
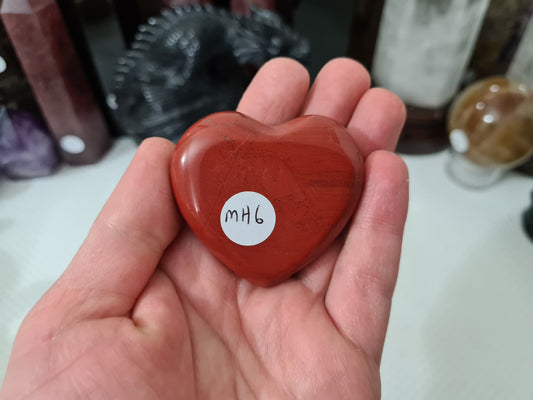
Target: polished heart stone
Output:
{"points": [[266, 200]]}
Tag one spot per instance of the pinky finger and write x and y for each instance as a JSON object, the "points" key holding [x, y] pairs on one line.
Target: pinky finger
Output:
{"points": [[377, 121], [360, 291]]}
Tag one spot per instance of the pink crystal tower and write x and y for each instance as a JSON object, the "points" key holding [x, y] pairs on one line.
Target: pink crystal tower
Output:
{"points": [[48, 57]]}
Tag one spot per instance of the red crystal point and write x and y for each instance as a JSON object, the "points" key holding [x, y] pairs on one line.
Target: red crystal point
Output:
{"points": [[266, 200], [43, 45]]}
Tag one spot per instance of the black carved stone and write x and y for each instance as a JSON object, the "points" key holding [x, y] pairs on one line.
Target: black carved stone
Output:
{"points": [[193, 61]]}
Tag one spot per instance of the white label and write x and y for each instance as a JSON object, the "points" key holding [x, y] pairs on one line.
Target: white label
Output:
{"points": [[72, 144], [3, 65], [459, 141], [248, 218]]}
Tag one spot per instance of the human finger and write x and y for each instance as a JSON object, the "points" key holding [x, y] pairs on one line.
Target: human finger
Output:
{"points": [[360, 291], [377, 121], [337, 89], [277, 92]]}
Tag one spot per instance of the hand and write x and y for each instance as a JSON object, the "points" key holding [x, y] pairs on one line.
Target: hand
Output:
{"points": [[144, 311]]}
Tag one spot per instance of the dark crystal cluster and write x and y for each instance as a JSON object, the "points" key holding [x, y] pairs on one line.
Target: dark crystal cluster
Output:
{"points": [[26, 147]]}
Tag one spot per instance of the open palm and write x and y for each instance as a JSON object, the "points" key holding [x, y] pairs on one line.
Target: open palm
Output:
{"points": [[145, 311]]}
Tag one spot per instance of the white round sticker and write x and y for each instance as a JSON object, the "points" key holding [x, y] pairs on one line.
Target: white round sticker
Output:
{"points": [[72, 144], [459, 141], [248, 218], [3, 65]]}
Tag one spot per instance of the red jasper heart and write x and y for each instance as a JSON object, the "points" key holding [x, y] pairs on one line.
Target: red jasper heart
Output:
{"points": [[266, 200]]}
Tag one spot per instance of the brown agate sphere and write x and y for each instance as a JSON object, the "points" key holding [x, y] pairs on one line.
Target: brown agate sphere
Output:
{"points": [[491, 123]]}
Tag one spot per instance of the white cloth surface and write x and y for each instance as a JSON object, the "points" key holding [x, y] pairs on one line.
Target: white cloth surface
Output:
{"points": [[462, 318]]}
